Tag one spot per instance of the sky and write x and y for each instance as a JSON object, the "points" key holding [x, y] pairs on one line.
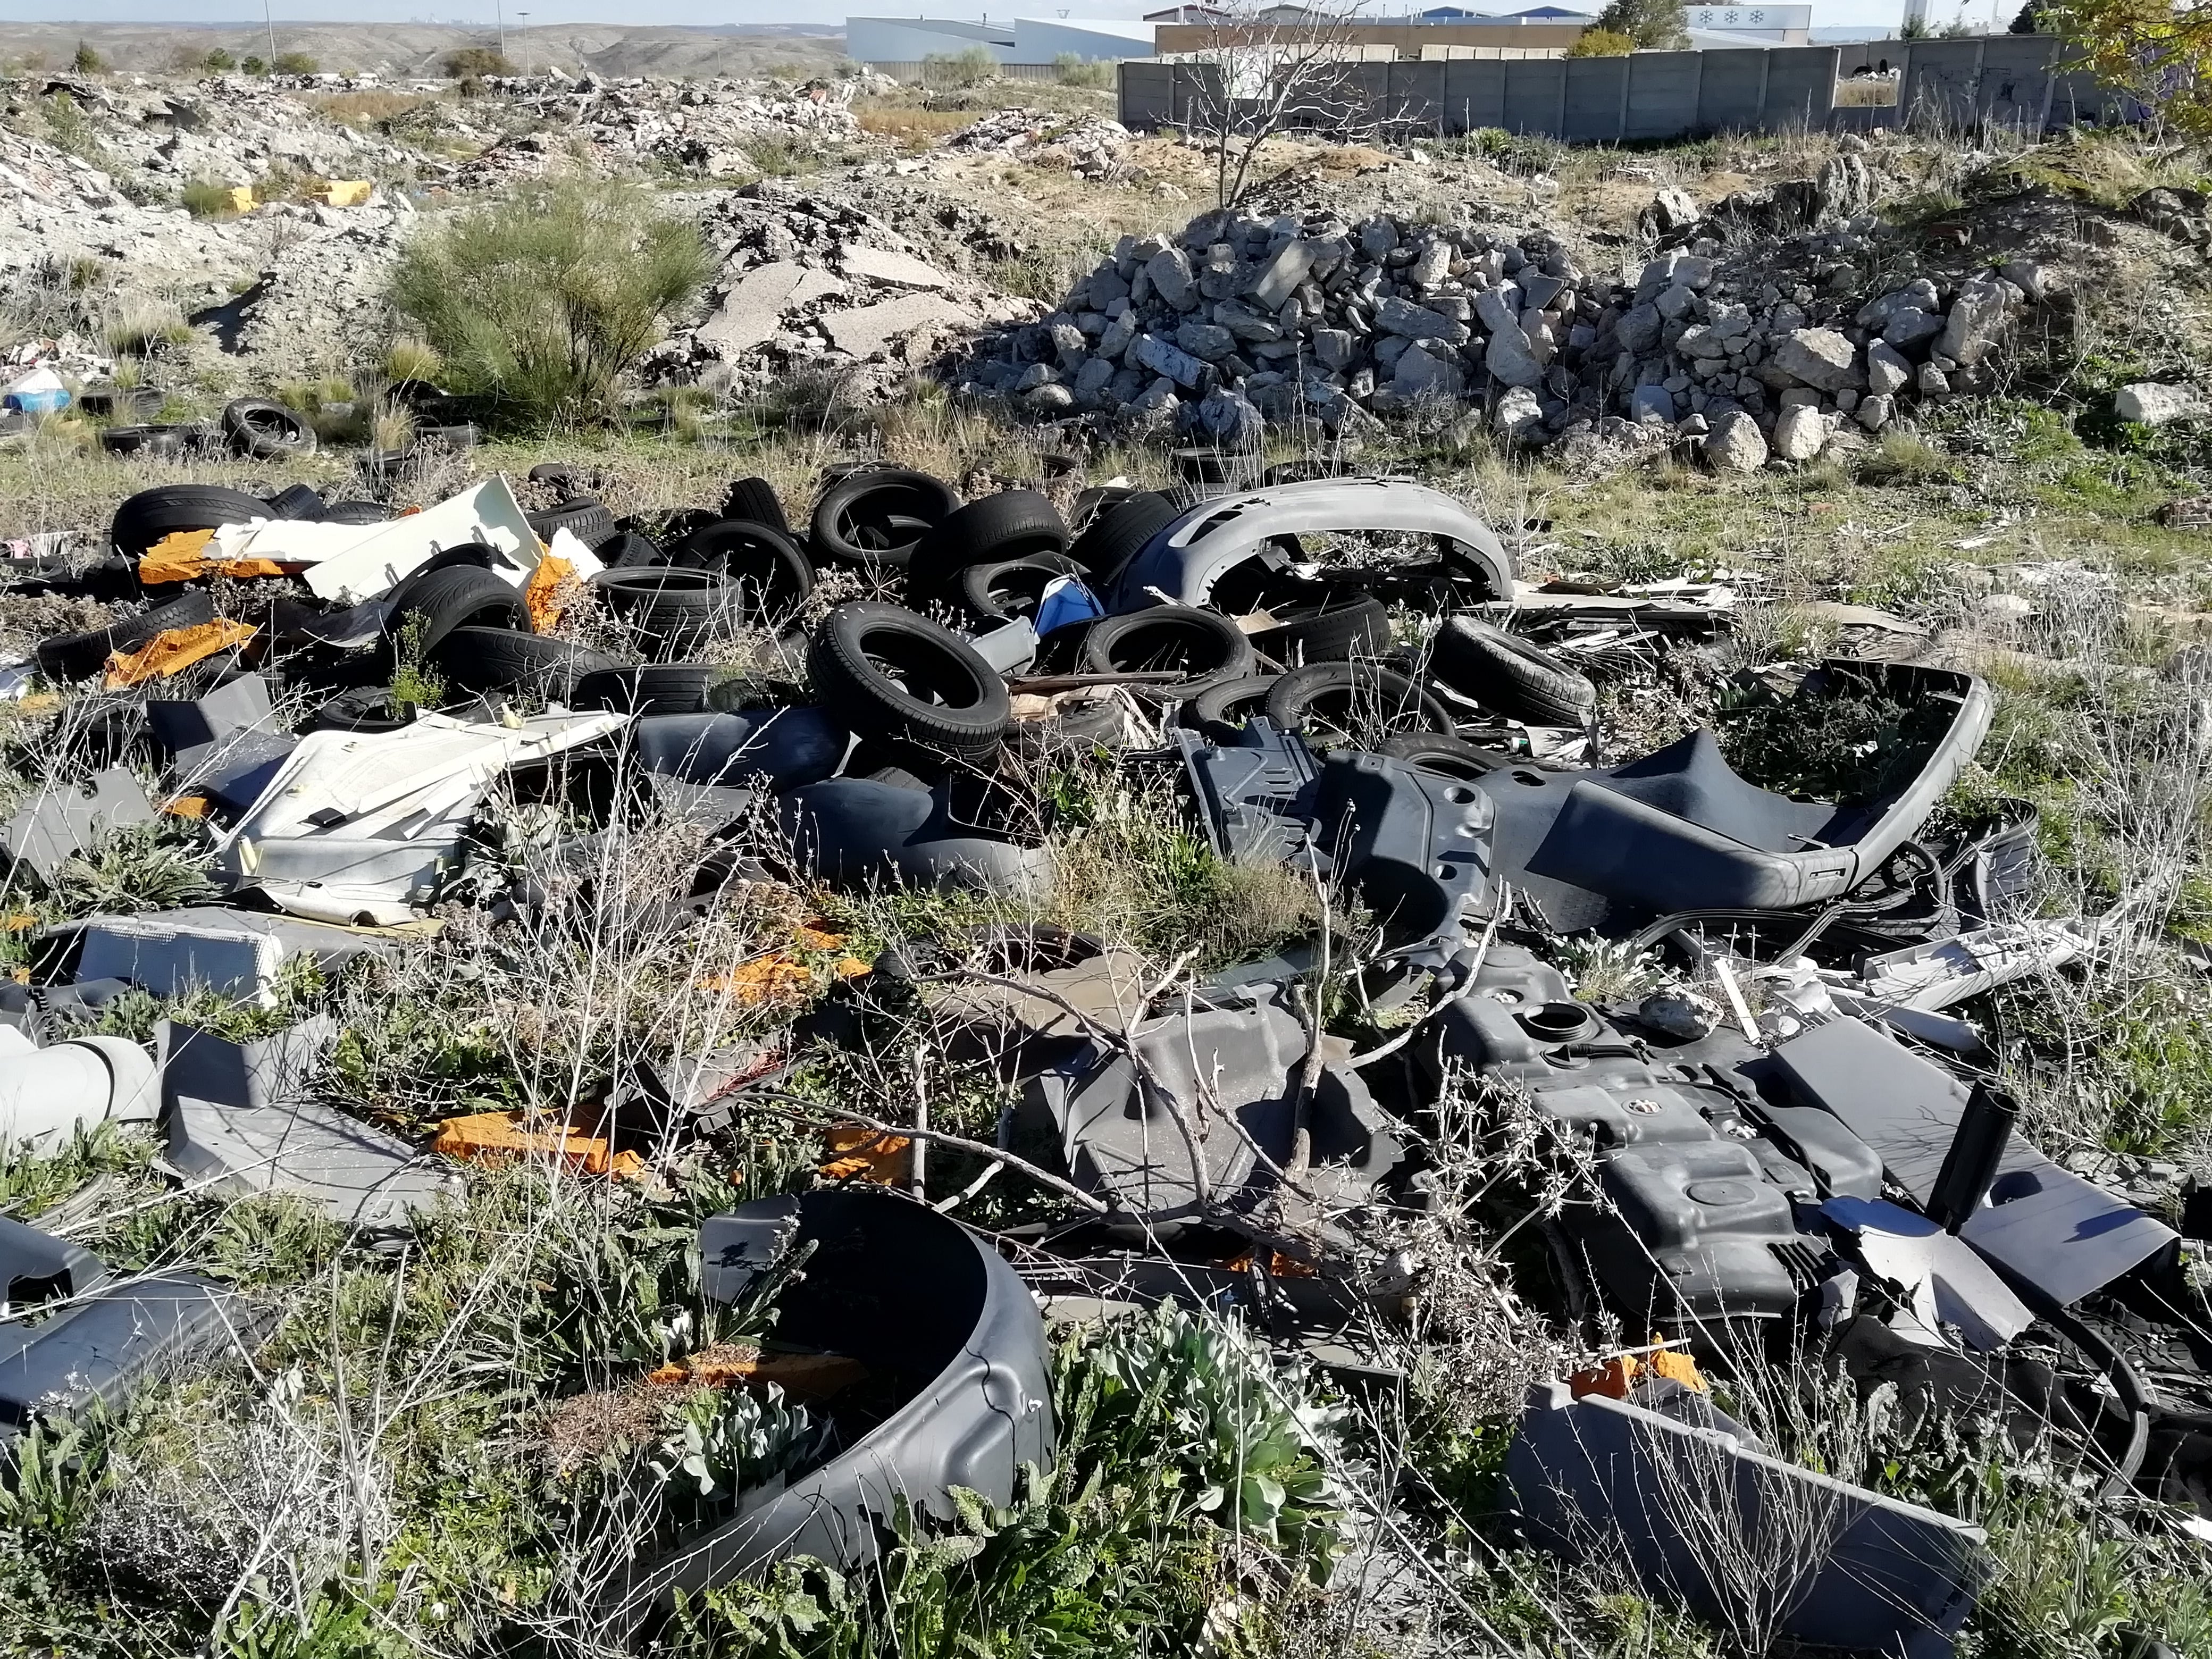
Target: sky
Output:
{"points": [[1826, 13]]}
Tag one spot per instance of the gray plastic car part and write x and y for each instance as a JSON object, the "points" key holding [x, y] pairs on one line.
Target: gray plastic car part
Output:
{"points": [[2042, 1223], [858, 831], [1678, 830], [46, 1093], [237, 953], [916, 1298], [1238, 1057], [241, 1120], [1181, 563], [36, 1267], [63, 820], [1687, 1506], [229, 743], [100, 1348]]}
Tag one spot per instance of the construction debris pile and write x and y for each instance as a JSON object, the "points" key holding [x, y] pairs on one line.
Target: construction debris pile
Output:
{"points": [[1091, 147], [1782, 1129], [1242, 321]]}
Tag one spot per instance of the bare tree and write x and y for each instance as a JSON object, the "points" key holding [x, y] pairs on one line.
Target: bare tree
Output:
{"points": [[1266, 69]]}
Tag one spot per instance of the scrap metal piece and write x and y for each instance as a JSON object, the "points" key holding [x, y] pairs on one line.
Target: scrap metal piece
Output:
{"points": [[915, 1297], [241, 1120], [1941, 972], [2042, 1223], [1181, 563], [1689, 1506], [1239, 1056], [65, 819], [36, 1267]]}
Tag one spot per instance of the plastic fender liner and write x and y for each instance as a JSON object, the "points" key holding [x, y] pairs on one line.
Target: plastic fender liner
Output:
{"points": [[1417, 846], [1186, 558], [910, 1294]]}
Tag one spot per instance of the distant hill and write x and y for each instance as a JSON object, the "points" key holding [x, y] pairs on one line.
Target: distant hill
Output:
{"points": [[411, 49]]}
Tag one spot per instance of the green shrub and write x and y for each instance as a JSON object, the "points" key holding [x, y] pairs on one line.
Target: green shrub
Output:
{"points": [[1601, 43], [207, 198], [1072, 71], [296, 62], [971, 67], [87, 61], [219, 61], [468, 62], [254, 65], [542, 301]]}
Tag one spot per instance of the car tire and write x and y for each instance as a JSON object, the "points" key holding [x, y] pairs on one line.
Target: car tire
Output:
{"points": [[889, 672], [80, 656], [367, 708], [1333, 631], [878, 515], [1119, 534], [675, 688], [632, 550], [1204, 647], [299, 503], [1218, 712], [1008, 588], [754, 501], [671, 607], [1507, 675], [587, 520], [145, 518], [266, 431], [502, 659], [1345, 692], [457, 596], [1014, 523], [771, 575]]}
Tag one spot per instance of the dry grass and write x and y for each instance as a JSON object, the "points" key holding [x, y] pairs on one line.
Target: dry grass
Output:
{"points": [[368, 112], [910, 123]]}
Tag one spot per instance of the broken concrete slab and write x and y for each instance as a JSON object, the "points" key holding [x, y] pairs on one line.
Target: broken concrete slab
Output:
{"points": [[899, 269], [63, 820], [241, 1119], [1699, 1511], [868, 329], [751, 311]]}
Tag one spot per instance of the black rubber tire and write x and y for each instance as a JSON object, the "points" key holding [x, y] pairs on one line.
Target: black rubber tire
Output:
{"points": [[459, 596], [300, 502], [632, 550], [1334, 631], [502, 659], [127, 439], [773, 577], [145, 518], [266, 431], [674, 607], [1437, 752], [1090, 502], [356, 512], [876, 515], [755, 501], [675, 688], [1204, 646], [587, 520], [555, 473], [1218, 712], [369, 708], [1120, 532], [461, 435], [475, 554], [1014, 523], [1220, 471], [1509, 675], [864, 658], [1012, 587], [80, 656], [1394, 696]]}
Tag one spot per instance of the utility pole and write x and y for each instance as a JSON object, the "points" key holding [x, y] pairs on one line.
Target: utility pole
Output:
{"points": [[269, 18], [500, 11], [524, 25]]}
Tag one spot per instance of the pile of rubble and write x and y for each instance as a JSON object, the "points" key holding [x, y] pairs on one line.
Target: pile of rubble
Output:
{"points": [[816, 281], [1089, 147], [1243, 320]]}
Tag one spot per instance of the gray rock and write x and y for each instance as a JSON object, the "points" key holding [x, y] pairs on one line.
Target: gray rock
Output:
{"points": [[1412, 322], [1975, 317], [1247, 324], [1876, 412], [1675, 303], [1334, 349], [1230, 420], [2030, 278], [1068, 341], [1932, 382], [1035, 375], [1168, 273], [1888, 370], [1424, 374], [1520, 415], [1539, 290], [1163, 357], [1735, 444], [1800, 433], [1431, 264], [1378, 237], [1820, 357], [1051, 398], [1092, 380], [1908, 325], [1208, 342], [1508, 358], [1277, 280], [1672, 209], [2150, 403], [1680, 1012], [1119, 330], [910, 320], [1107, 286], [1638, 328], [1651, 406], [1158, 398]]}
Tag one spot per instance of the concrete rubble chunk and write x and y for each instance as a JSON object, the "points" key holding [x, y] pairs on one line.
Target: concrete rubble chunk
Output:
{"points": [[868, 329], [753, 309], [1168, 273], [1800, 433], [1422, 373], [1975, 318], [1276, 281], [1409, 321], [2148, 402], [1888, 370], [1735, 443], [899, 269], [1168, 360], [1820, 357]]}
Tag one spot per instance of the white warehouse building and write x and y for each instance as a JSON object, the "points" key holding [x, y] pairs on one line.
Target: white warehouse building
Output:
{"points": [[1020, 40]]}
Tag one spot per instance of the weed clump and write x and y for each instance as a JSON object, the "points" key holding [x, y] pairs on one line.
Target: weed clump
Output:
{"points": [[541, 303]]}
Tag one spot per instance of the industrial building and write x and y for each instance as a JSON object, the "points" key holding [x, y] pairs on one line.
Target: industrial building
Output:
{"points": [[899, 45]]}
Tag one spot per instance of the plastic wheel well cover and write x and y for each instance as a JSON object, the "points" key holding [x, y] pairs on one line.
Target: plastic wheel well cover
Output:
{"points": [[1184, 559]]}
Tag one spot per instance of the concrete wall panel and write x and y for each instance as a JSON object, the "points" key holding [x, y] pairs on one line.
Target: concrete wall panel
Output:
{"points": [[1474, 94], [1663, 93], [1596, 99], [1535, 92], [1732, 91], [1801, 88]]}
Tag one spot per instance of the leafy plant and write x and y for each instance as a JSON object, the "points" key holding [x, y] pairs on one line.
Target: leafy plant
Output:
{"points": [[541, 303], [136, 867], [296, 62], [469, 62]]}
